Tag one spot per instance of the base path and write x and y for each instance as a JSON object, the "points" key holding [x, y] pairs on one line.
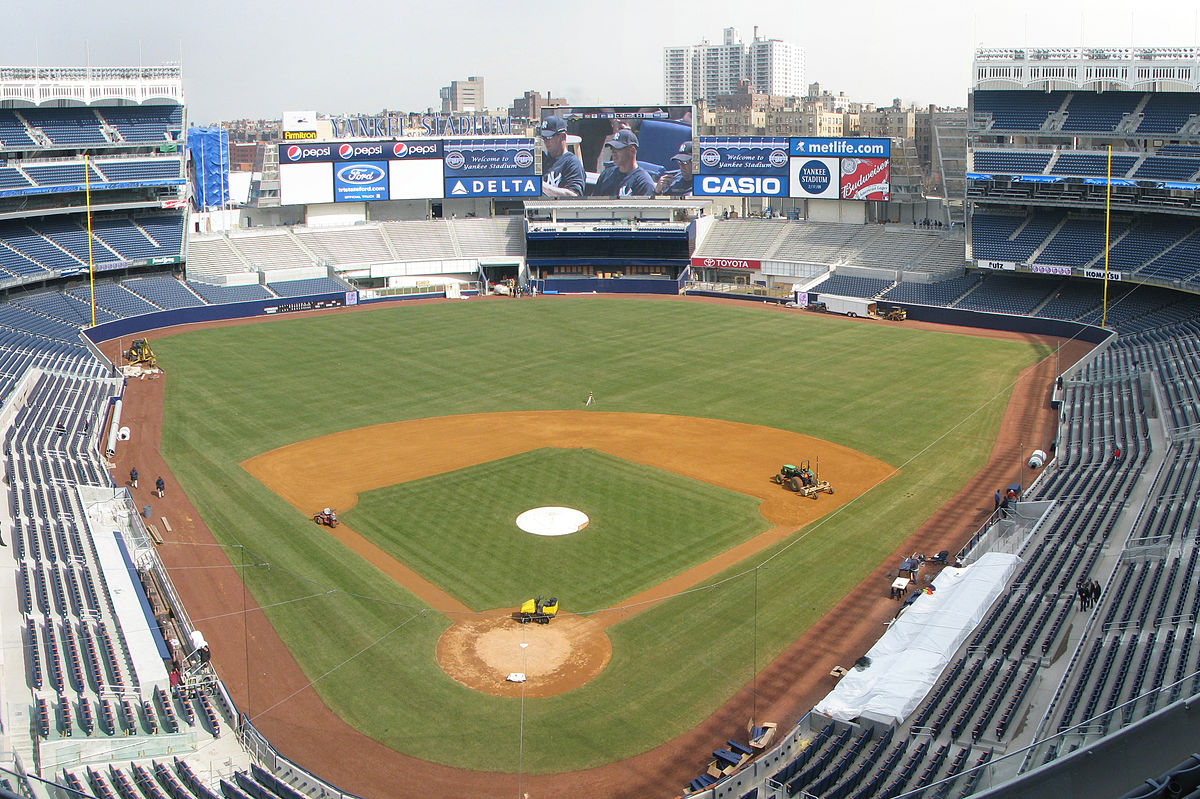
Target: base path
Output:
{"points": [[266, 683]]}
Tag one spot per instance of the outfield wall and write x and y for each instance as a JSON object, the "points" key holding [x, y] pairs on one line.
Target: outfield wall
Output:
{"points": [[617, 285]]}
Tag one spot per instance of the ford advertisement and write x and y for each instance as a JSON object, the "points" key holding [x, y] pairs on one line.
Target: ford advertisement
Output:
{"points": [[361, 180]]}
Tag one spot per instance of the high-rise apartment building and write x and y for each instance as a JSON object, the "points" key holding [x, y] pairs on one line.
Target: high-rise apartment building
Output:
{"points": [[706, 71]]}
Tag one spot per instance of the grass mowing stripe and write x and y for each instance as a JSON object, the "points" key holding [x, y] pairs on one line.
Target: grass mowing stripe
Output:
{"points": [[646, 525]]}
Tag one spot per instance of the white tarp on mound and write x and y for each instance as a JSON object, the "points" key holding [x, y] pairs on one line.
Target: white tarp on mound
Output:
{"points": [[907, 660]]}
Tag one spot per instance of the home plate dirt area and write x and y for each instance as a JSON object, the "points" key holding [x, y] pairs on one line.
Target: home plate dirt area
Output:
{"points": [[332, 470]]}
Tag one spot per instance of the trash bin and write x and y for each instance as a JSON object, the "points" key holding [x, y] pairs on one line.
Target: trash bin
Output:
{"points": [[146, 511]]}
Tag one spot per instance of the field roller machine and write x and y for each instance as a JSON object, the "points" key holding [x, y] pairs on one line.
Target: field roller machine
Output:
{"points": [[801, 479], [537, 610]]}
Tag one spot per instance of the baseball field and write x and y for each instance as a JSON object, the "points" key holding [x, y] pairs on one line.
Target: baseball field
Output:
{"points": [[430, 427]]}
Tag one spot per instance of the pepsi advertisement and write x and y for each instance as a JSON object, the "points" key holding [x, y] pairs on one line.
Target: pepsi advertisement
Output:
{"points": [[361, 180], [743, 156], [475, 158], [315, 152]]}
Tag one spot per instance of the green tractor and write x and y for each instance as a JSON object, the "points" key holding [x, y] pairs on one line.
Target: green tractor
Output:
{"points": [[802, 480]]}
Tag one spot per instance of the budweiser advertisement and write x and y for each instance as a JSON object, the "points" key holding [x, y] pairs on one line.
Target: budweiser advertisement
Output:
{"points": [[726, 263], [865, 179]]}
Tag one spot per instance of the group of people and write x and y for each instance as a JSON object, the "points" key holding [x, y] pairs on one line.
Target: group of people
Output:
{"points": [[160, 485], [1088, 592], [563, 174]]}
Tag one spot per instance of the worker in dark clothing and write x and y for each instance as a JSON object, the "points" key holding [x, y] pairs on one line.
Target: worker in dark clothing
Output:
{"points": [[160, 487], [133, 477]]}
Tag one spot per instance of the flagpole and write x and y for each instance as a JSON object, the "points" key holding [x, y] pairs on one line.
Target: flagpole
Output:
{"points": [[87, 190], [1107, 227]]}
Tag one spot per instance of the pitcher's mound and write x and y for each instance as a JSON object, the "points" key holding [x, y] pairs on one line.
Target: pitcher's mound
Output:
{"points": [[481, 651]]}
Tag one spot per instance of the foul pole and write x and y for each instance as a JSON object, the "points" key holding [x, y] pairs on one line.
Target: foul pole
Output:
{"points": [[1107, 228], [87, 192]]}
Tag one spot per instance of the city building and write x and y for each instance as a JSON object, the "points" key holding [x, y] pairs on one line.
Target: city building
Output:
{"points": [[463, 96], [530, 104], [707, 71]]}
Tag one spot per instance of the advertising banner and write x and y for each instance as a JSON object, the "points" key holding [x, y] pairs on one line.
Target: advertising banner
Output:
{"points": [[865, 179], [743, 156], [520, 186], [418, 179], [359, 181], [415, 149], [492, 158], [726, 263], [306, 152], [843, 148], [816, 178], [305, 184], [744, 186]]}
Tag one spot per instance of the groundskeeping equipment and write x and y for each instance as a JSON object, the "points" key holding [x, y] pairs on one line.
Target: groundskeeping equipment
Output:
{"points": [[141, 354], [537, 610], [803, 480], [327, 517]]}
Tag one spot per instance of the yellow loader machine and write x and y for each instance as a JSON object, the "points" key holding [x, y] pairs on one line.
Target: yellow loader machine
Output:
{"points": [[803, 480], [538, 610], [140, 353]]}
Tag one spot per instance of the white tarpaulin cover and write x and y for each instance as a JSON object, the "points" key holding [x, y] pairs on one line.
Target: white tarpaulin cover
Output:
{"points": [[907, 660]]}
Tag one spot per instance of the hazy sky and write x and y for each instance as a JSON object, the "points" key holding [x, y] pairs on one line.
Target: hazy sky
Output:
{"points": [[256, 59]]}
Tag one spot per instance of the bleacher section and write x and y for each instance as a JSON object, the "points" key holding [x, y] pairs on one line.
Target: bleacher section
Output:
{"points": [[297, 288], [32, 246], [1018, 110], [895, 248], [852, 286], [1152, 246], [1089, 111], [1010, 163], [145, 123], [212, 257], [13, 133], [1095, 164], [65, 126], [1163, 113], [214, 294]]}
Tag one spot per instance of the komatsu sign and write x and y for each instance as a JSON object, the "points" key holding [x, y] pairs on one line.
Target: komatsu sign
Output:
{"points": [[744, 186]]}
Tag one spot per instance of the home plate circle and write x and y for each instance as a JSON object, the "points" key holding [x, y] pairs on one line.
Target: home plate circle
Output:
{"points": [[552, 521]]}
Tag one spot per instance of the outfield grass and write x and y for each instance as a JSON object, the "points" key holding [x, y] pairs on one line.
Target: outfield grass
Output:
{"points": [[930, 402], [458, 531]]}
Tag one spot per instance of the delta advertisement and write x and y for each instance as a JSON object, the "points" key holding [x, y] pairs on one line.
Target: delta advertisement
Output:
{"points": [[657, 163], [806, 168], [366, 171]]}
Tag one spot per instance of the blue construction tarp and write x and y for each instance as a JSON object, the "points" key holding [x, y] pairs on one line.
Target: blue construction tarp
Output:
{"points": [[208, 149]]}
